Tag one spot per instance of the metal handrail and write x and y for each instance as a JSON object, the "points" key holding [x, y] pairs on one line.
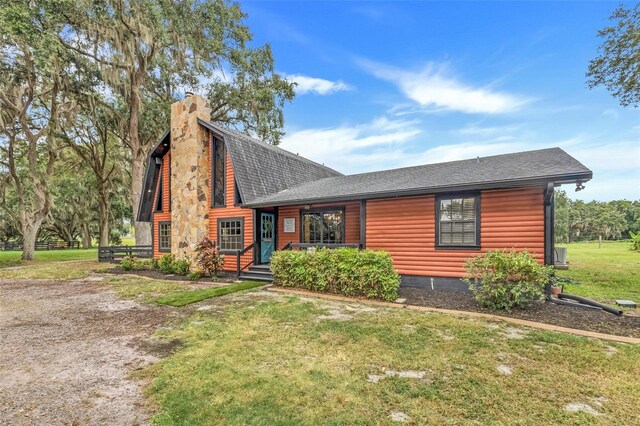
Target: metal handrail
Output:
{"points": [[239, 253]]}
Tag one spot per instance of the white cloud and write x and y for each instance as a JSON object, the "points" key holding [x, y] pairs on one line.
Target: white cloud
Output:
{"points": [[434, 87], [349, 149], [390, 143], [318, 86]]}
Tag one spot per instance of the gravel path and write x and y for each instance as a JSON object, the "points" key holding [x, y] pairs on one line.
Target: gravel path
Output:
{"points": [[67, 349]]}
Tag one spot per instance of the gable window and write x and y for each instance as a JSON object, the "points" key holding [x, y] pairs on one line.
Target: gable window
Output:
{"points": [[218, 169], [458, 221], [159, 196], [323, 227], [231, 234], [164, 236]]}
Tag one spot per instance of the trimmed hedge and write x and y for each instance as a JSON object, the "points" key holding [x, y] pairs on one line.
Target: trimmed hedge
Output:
{"points": [[347, 271]]}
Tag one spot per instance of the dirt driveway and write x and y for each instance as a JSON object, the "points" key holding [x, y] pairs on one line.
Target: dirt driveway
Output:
{"points": [[67, 350]]}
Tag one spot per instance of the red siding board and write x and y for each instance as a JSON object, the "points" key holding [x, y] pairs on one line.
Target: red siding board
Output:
{"points": [[165, 214], [231, 211], [405, 227]]}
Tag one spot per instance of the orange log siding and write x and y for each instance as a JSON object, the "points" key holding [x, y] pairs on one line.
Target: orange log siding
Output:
{"points": [[227, 212], [351, 225], [165, 214], [405, 227]]}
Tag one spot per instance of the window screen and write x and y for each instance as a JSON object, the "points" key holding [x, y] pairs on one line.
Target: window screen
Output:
{"points": [[323, 227], [230, 234], [164, 236], [457, 221]]}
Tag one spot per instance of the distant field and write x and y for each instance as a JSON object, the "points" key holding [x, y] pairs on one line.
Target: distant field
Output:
{"points": [[606, 274]]}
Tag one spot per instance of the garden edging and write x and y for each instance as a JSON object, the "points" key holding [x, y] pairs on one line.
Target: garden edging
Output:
{"points": [[526, 323]]}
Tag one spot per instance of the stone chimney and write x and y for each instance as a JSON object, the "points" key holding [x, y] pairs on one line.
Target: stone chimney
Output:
{"points": [[189, 175]]}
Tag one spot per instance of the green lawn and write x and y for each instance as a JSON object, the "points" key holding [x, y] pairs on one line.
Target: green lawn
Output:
{"points": [[12, 258], [606, 274], [290, 361]]}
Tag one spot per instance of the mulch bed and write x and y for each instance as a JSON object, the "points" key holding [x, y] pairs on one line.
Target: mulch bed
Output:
{"points": [[548, 313], [150, 273]]}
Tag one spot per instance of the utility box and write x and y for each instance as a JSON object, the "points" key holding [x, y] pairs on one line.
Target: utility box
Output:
{"points": [[560, 261]]}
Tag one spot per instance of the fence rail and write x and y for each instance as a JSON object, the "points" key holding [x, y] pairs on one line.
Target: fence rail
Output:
{"points": [[117, 253], [42, 245]]}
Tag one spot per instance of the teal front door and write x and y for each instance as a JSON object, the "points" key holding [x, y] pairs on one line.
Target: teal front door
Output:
{"points": [[267, 240]]}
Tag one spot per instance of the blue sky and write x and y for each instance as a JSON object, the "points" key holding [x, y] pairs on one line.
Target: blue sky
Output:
{"points": [[392, 84]]}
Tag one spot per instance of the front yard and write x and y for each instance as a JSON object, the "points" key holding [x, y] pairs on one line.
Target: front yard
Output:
{"points": [[257, 357], [269, 359]]}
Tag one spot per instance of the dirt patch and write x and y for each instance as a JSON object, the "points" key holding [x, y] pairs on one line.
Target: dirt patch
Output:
{"points": [[548, 313], [68, 350]]}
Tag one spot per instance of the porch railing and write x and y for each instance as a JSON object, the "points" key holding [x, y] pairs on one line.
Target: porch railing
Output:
{"points": [[239, 254], [291, 246]]}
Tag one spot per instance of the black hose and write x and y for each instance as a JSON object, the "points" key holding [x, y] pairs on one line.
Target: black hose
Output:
{"points": [[591, 303], [577, 305]]}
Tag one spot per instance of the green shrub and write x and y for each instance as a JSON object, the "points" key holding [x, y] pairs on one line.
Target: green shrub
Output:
{"points": [[347, 271], [181, 267], [132, 263], [635, 241], [128, 263], [208, 257], [195, 275], [165, 264], [506, 279]]}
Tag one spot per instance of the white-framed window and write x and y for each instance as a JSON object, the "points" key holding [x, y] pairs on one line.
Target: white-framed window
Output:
{"points": [[231, 233], [458, 221]]}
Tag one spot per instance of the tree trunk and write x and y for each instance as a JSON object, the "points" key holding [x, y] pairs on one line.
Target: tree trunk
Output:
{"points": [[141, 229], [29, 235], [86, 236], [104, 209], [599, 241]]}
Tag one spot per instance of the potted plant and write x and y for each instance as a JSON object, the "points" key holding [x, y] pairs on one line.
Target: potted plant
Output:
{"points": [[556, 287]]}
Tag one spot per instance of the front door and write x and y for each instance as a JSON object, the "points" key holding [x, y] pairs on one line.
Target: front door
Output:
{"points": [[267, 240]]}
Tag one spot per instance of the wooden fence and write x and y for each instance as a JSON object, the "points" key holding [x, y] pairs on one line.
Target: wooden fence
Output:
{"points": [[117, 253], [42, 245]]}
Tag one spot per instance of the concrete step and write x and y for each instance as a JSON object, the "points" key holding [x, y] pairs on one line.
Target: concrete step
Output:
{"points": [[248, 276]]}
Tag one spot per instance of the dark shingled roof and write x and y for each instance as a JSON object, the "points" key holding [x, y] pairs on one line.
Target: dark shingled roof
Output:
{"points": [[499, 171], [262, 169]]}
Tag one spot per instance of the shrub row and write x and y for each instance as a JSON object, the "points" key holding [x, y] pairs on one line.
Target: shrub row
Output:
{"points": [[347, 271]]}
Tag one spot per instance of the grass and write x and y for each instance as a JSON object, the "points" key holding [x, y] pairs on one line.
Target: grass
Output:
{"points": [[145, 289], [12, 258], [172, 293], [606, 274], [276, 361], [183, 298]]}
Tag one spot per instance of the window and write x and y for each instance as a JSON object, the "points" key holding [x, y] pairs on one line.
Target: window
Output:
{"points": [[218, 169], [231, 234], [323, 227], [458, 221], [164, 236], [159, 197]]}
